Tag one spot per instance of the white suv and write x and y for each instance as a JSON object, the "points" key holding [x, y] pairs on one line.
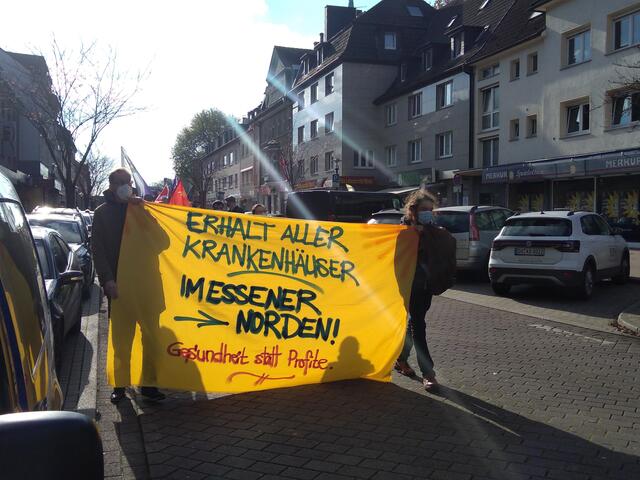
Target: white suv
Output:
{"points": [[560, 248]]}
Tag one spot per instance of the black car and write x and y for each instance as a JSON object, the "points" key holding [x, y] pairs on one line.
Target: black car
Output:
{"points": [[339, 205], [63, 283], [70, 229], [83, 217]]}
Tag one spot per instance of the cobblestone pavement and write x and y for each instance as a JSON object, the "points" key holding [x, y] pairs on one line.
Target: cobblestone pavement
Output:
{"points": [[524, 399], [598, 313]]}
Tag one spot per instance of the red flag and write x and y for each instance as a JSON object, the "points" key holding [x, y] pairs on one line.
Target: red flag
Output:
{"points": [[179, 196], [164, 195]]}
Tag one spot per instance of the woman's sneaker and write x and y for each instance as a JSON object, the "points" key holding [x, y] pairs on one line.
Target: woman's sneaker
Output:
{"points": [[404, 369]]}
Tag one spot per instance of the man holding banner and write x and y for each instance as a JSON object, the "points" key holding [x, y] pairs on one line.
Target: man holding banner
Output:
{"points": [[108, 226]]}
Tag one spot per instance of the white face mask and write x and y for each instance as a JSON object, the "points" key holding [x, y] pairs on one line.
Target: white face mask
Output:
{"points": [[425, 217], [124, 192]]}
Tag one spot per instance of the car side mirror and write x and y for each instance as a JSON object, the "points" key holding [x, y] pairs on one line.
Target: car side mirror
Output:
{"points": [[45, 445], [71, 276]]}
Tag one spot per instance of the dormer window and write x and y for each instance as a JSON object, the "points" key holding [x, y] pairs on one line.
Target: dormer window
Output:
{"points": [[452, 21], [390, 41], [305, 65], [484, 4], [457, 45], [320, 55], [403, 72], [414, 11], [427, 59]]}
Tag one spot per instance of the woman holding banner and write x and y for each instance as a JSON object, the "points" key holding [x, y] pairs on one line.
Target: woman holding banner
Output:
{"points": [[418, 212]]}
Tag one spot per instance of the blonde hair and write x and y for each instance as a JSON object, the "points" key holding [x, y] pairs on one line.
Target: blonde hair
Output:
{"points": [[414, 200]]}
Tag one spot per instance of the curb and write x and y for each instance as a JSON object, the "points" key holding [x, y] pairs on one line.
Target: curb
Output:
{"points": [[630, 321]]}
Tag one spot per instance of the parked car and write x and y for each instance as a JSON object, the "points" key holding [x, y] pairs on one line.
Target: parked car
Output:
{"points": [[69, 227], [84, 217], [27, 375], [389, 217], [474, 228], [560, 248], [338, 205], [63, 281]]}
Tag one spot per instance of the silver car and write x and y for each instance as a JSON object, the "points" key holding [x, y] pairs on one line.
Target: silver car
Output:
{"points": [[474, 228]]}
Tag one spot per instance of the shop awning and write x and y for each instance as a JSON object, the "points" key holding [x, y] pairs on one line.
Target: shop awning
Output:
{"points": [[620, 161]]}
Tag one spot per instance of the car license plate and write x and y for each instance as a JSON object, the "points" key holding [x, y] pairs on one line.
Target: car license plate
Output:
{"points": [[530, 252]]}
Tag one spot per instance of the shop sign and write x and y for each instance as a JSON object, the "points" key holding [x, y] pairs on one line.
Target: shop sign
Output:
{"points": [[619, 162], [531, 172], [357, 180], [495, 174], [410, 179], [307, 184]]}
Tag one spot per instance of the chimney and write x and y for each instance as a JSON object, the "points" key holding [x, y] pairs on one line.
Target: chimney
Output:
{"points": [[321, 38], [337, 18]]}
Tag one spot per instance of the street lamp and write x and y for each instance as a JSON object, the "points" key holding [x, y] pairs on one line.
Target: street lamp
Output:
{"points": [[335, 181]]}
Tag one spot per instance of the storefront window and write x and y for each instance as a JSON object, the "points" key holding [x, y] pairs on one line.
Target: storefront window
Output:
{"points": [[618, 202], [574, 195]]}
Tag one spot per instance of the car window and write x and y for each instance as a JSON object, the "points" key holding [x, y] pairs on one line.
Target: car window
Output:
{"points": [[60, 257], [601, 225], [69, 230], [499, 217], [589, 227], [483, 221], [63, 245], [41, 250], [537, 227], [453, 222]]}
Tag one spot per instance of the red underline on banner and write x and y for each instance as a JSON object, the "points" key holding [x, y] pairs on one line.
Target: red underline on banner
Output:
{"points": [[261, 378]]}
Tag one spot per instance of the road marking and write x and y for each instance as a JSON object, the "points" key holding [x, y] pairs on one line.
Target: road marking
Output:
{"points": [[566, 333]]}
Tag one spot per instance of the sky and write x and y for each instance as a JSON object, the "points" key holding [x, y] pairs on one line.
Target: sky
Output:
{"points": [[198, 54]]}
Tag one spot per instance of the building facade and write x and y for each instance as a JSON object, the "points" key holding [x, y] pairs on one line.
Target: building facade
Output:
{"points": [[557, 122]]}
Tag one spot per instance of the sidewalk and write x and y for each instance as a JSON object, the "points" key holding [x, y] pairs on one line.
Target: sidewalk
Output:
{"points": [[630, 318]]}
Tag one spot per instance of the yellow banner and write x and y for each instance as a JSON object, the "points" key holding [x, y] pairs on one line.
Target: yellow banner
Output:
{"points": [[216, 301]]}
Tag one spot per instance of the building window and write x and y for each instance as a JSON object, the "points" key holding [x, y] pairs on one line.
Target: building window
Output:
{"points": [[328, 123], [301, 100], [225, 161], [577, 119], [457, 45], [391, 114], [415, 105], [532, 63], [329, 85], [314, 93], [490, 71], [415, 151], [403, 72], [626, 31], [625, 108], [514, 129], [490, 108], [445, 144], [515, 69], [300, 135], [490, 152], [532, 126], [235, 179], [391, 155], [414, 11], [427, 59], [390, 41], [363, 159], [328, 161], [579, 48], [231, 159], [314, 129], [320, 55], [444, 94], [313, 165]]}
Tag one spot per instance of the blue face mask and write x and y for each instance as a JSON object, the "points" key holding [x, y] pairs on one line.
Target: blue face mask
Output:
{"points": [[425, 217]]}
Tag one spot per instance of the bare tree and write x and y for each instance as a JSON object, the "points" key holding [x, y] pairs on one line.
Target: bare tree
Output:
{"points": [[83, 94], [98, 169], [291, 165]]}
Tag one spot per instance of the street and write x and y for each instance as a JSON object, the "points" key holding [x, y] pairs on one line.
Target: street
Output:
{"points": [[522, 397]]}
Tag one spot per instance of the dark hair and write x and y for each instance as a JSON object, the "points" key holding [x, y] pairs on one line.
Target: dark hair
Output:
{"points": [[218, 203], [415, 199], [117, 172], [231, 198], [257, 206]]}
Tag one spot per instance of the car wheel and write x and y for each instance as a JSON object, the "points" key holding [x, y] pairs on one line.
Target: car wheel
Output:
{"points": [[625, 271], [585, 291], [501, 289]]}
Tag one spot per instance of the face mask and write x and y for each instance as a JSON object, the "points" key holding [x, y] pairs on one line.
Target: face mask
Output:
{"points": [[425, 217], [124, 192]]}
